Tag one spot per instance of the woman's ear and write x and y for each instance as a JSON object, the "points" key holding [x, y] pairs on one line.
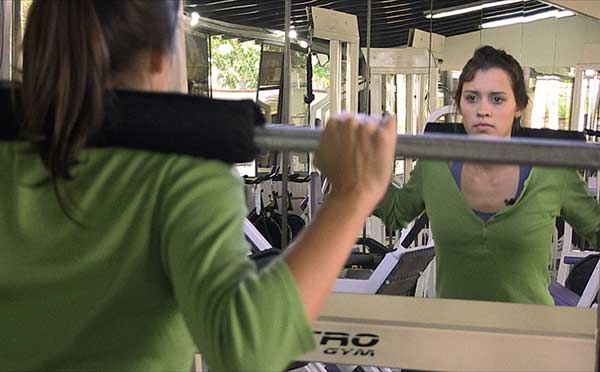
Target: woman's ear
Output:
{"points": [[518, 113], [159, 61], [160, 70]]}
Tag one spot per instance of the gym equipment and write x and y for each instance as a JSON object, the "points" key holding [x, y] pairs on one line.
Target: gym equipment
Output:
{"points": [[569, 256], [396, 274], [268, 218], [231, 131], [458, 128], [578, 278], [162, 122], [581, 286], [582, 276], [447, 146], [268, 221], [339, 28], [257, 241], [453, 335], [269, 224], [397, 271], [420, 72]]}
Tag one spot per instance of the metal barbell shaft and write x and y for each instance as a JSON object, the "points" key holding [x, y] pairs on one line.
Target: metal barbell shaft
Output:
{"points": [[543, 152]]}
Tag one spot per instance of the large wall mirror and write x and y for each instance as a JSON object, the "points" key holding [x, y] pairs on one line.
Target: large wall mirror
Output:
{"points": [[530, 281]]}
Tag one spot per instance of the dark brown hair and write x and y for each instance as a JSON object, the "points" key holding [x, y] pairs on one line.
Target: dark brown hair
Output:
{"points": [[488, 57], [71, 48]]}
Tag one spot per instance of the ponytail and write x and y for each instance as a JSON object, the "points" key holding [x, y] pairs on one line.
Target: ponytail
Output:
{"points": [[65, 67], [71, 48], [65, 64]]}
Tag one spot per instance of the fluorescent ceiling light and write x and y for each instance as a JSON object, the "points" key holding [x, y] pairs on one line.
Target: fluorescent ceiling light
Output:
{"points": [[195, 19], [531, 18], [292, 34], [564, 13], [449, 12]]}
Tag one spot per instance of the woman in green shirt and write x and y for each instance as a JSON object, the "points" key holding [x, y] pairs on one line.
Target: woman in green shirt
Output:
{"points": [[120, 259], [492, 223]]}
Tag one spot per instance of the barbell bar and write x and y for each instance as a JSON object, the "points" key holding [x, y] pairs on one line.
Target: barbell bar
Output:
{"points": [[538, 151]]}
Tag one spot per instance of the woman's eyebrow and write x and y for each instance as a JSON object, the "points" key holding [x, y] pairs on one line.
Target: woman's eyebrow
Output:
{"points": [[477, 92]]}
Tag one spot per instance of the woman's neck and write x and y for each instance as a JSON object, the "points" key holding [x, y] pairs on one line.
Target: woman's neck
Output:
{"points": [[488, 168]]}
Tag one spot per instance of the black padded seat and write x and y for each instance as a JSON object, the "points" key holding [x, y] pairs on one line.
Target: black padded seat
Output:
{"points": [[458, 128]]}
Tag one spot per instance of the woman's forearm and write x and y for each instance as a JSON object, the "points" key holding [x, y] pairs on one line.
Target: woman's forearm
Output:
{"points": [[317, 257]]}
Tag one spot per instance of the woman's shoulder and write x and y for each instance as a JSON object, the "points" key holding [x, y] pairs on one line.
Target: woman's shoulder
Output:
{"points": [[165, 165], [549, 178], [154, 159], [553, 173], [431, 166]]}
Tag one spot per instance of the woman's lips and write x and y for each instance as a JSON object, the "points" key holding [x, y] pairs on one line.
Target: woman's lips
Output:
{"points": [[483, 126]]}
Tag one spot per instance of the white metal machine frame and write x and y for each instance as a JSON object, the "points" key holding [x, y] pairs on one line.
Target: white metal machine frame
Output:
{"points": [[407, 61], [568, 252], [410, 62], [339, 28], [454, 335], [379, 275]]}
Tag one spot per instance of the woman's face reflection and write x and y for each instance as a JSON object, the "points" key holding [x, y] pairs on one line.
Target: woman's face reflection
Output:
{"points": [[488, 104]]}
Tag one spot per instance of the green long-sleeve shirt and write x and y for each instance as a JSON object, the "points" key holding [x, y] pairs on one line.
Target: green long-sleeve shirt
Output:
{"points": [[157, 271], [507, 257]]}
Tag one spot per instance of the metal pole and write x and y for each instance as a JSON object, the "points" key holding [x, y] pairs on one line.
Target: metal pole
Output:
{"points": [[542, 152], [335, 76], [367, 91], [597, 368], [432, 92], [368, 62], [6, 41], [260, 69], [576, 112], [410, 119], [285, 117], [17, 36]]}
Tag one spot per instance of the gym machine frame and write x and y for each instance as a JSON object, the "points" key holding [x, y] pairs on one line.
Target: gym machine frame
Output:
{"points": [[337, 28], [11, 36], [415, 63]]}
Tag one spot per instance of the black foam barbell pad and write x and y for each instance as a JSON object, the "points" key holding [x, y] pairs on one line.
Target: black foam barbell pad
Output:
{"points": [[162, 122]]}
